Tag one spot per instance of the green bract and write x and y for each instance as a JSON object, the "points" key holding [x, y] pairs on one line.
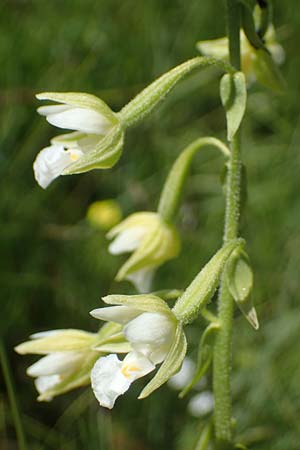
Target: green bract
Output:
{"points": [[239, 278], [234, 96]]}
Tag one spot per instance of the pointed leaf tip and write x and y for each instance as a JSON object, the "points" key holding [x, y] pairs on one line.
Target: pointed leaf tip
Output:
{"points": [[233, 94]]}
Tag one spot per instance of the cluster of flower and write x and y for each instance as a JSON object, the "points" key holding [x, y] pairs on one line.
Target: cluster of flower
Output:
{"points": [[143, 327]]}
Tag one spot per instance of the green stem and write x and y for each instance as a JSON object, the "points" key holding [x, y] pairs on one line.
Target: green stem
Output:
{"points": [[172, 190], [222, 348], [12, 398]]}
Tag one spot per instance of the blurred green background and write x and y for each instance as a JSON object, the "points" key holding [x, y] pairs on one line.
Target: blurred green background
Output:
{"points": [[55, 266]]}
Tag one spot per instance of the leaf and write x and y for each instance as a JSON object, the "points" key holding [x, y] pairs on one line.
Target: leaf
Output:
{"points": [[205, 353], [240, 283], [233, 94], [171, 364]]}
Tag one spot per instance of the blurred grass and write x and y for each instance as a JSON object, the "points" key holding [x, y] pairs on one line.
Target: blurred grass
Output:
{"points": [[55, 268]]}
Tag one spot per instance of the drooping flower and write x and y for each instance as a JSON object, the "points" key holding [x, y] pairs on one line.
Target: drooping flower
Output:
{"points": [[96, 140], [69, 357], [155, 336], [152, 242], [252, 59]]}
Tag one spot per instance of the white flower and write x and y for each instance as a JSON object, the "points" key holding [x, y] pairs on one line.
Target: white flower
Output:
{"points": [[153, 336], [218, 48], [70, 356], [152, 242], [201, 404], [96, 141]]}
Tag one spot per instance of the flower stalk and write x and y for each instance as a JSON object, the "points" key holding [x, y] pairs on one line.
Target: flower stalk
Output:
{"points": [[223, 342]]}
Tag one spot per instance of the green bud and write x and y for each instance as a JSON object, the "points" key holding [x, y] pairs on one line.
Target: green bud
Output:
{"points": [[239, 278], [203, 287], [233, 94]]}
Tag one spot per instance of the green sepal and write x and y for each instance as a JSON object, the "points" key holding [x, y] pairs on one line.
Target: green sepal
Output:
{"points": [[171, 364], [205, 354], [142, 302], [239, 279], [168, 294], [115, 343], [103, 156], [203, 287], [60, 341], [161, 244], [267, 71], [233, 94], [80, 377], [81, 100]]}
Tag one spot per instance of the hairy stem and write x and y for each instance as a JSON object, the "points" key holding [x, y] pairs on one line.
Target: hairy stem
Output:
{"points": [[222, 348]]}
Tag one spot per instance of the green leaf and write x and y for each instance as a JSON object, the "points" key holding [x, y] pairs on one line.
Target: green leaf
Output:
{"points": [[203, 287], [205, 353], [233, 94], [171, 364], [240, 283]]}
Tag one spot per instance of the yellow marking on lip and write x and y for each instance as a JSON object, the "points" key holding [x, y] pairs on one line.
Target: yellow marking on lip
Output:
{"points": [[74, 156], [127, 370]]}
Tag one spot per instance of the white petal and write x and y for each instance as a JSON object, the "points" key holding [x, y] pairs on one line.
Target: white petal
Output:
{"points": [[128, 240], [43, 384], [52, 109], [142, 279], [51, 162], [151, 334], [136, 365], [110, 377], [80, 119], [55, 363], [184, 376], [201, 404], [107, 380], [118, 314]]}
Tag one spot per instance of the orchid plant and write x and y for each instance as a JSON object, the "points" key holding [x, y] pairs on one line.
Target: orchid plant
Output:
{"points": [[143, 329]]}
